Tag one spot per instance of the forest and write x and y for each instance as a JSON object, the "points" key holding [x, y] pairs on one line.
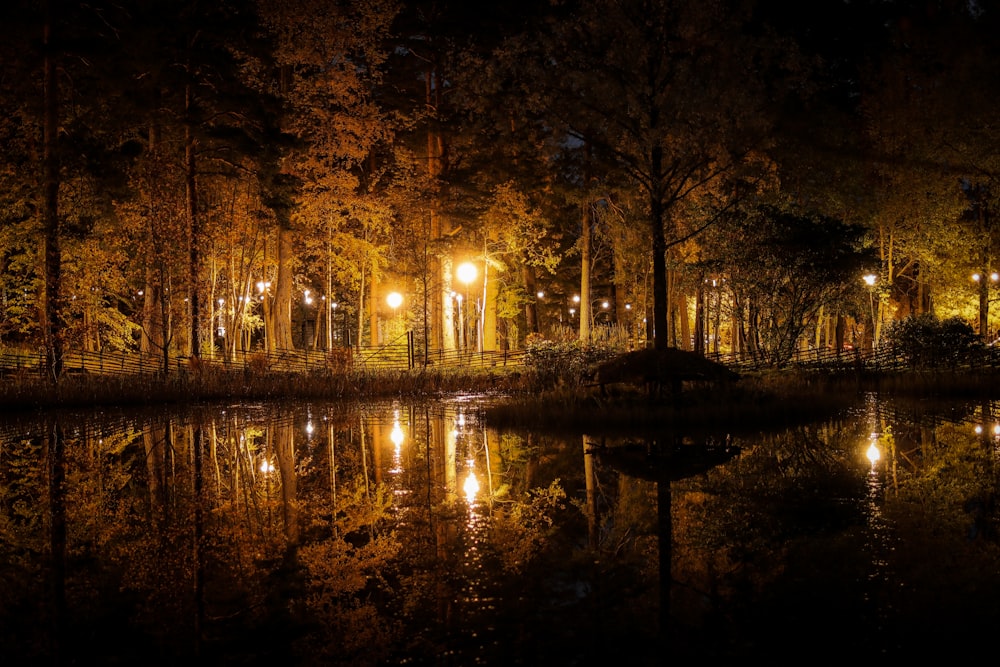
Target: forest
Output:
{"points": [[742, 176]]}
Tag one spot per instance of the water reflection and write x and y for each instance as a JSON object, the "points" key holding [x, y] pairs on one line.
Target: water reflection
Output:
{"points": [[412, 533]]}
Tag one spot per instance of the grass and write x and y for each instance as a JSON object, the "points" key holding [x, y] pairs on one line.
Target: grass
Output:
{"points": [[22, 392], [526, 398]]}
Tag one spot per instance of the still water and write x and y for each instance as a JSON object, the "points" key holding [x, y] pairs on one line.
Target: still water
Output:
{"points": [[415, 533]]}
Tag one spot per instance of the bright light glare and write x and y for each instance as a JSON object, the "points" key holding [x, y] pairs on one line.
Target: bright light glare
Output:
{"points": [[466, 272], [266, 467], [873, 454], [471, 486], [394, 299], [870, 279], [397, 434]]}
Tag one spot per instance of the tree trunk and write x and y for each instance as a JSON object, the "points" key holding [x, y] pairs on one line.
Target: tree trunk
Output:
{"points": [[585, 225], [194, 226], [530, 306], [281, 313], [660, 333], [52, 329]]}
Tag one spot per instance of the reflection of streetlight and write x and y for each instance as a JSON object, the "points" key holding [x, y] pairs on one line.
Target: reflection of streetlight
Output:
{"points": [[873, 454], [471, 486]]}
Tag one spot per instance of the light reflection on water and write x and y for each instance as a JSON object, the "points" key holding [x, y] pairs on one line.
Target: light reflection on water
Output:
{"points": [[411, 533]]}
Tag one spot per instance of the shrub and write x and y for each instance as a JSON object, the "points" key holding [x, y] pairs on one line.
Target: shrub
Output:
{"points": [[925, 342], [564, 363]]}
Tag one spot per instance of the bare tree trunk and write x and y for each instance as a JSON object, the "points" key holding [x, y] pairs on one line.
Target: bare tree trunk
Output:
{"points": [[585, 228], [281, 314], [530, 306], [194, 226], [52, 307]]}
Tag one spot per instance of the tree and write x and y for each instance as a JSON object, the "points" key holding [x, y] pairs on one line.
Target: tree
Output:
{"points": [[782, 267], [668, 92]]}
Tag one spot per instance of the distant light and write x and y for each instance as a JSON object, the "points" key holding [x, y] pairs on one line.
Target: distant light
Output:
{"points": [[605, 304], [576, 298], [394, 299], [541, 294], [871, 278]]}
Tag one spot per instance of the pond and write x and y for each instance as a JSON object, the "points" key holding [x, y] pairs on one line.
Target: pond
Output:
{"points": [[415, 533]]}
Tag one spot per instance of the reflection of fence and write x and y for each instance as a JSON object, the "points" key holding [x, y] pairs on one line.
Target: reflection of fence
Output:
{"points": [[396, 356]]}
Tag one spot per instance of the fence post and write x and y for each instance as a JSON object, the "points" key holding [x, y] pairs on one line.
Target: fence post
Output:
{"points": [[409, 349]]}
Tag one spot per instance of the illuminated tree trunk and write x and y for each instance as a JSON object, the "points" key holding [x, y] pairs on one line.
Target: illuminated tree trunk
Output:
{"points": [[281, 309], [194, 227], [530, 306], [374, 333], [491, 289], [585, 226]]}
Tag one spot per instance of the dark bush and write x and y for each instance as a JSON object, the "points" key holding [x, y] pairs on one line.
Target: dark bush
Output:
{"points": [[925, 342], [558, 363]]}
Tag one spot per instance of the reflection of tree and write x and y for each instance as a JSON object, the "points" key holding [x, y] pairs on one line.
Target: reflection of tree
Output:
{"points": [[347, 576]]}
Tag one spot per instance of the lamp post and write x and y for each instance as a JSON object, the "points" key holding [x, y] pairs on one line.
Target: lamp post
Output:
{"points": [[466, 272], [395, 300], [263, 289], [870, 280]]}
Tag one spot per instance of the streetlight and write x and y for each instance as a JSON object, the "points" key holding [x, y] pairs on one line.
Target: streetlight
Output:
{"points": [[395, 300], [870, 280], [466, 272]]}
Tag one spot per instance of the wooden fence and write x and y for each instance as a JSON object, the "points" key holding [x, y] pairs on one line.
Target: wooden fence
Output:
{"points": [[387, 357], [402, 355]]}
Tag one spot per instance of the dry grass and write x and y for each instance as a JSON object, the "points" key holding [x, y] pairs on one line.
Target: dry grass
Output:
{"points": [[28, 392]]}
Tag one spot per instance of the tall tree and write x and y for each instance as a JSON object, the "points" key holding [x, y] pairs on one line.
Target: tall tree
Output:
{"points": [[670, 93]]}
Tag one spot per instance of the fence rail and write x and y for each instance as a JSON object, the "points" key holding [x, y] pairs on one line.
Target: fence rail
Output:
{"points": [[401, 355], [387, 357]]}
